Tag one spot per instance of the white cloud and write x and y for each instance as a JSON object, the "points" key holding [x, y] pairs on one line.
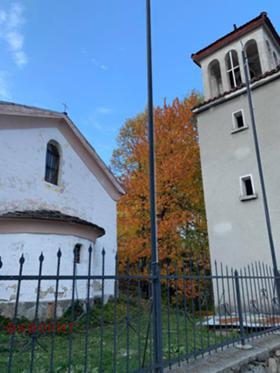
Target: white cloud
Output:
{"points": [[4, 87], [91, 122], [21, 58], [16, 16], [3, 16], [97, 125], [98, 64], [11, 22], [15, 40], [103, 110]]}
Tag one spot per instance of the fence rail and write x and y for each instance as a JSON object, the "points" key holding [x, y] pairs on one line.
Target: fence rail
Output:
{"points": [[101, 320]]}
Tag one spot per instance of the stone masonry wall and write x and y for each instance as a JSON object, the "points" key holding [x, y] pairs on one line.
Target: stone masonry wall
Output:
{"points": [[263, 364]]}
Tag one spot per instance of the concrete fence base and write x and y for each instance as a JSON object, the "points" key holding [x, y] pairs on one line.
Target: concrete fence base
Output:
{"points": [[264, 357]]}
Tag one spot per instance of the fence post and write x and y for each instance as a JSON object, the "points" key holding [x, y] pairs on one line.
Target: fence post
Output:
{"points": [[239, 307]]}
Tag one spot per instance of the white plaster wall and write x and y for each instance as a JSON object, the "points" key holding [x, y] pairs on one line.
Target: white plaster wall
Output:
{"points": [[31, 246], [237, 230], [22, 185]]}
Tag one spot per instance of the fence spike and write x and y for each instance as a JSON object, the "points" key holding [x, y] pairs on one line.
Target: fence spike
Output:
{"points": [[1, 263], [41, 257], [90, 249], [55, 311], [21, 259]]}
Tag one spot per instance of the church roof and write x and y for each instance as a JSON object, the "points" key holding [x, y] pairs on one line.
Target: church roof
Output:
{"points": [[261, 20], [50, 215], [11, 108]]}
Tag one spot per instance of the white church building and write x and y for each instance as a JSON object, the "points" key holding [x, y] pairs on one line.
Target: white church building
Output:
{"points": [[55, 193], [234, 203]]}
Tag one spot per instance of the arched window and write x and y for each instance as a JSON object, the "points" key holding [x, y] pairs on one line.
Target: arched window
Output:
{"points": [[52, 163], [215, 78], [276, 62], [77, 253], [233, 69], [252, 53]]}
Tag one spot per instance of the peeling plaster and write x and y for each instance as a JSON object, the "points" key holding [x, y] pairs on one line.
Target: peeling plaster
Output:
{"points": [[13, 287], [51, 291], [96, 285], [82, 196], [12, 297], [44, 293]]}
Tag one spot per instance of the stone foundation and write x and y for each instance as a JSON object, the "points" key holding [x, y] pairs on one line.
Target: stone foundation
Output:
{"points": [[263, 364]]}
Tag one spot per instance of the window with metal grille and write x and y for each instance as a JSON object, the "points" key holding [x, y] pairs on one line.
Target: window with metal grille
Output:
{"points": [[233, 69], [52, 163], [77, 253]]}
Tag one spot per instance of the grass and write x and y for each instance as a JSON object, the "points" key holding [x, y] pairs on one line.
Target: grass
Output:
{"points": [[182, 335]]}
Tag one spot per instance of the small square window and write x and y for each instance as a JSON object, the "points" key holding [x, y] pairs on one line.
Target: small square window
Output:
{"points": [[247, 188], [238, 120]]}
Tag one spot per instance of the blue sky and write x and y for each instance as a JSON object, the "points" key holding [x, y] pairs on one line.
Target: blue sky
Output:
{"points": [[91, 54]]}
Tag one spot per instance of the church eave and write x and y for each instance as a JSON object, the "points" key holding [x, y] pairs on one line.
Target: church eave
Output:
{"points": [[228, 95]]}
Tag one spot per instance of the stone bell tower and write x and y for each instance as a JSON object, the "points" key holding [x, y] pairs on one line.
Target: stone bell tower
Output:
{"points": [[236, 222]]}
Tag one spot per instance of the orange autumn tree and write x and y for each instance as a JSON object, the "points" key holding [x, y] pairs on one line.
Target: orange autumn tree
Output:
{"points": [[180, 207]]}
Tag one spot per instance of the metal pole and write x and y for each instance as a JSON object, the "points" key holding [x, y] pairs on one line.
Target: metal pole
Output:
{"points": [[156, 289], [260, 168]]}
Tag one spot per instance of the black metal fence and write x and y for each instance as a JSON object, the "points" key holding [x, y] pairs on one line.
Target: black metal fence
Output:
{"points": [[109, 328]]}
